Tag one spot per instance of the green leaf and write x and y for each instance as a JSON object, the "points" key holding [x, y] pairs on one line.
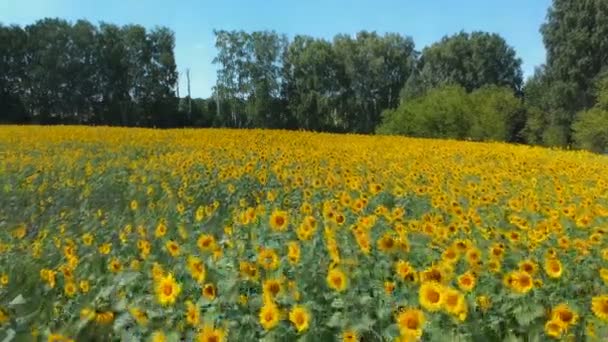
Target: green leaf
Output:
{"points": [[336, 320], [19, 300], [337, 303], [10, 335]]}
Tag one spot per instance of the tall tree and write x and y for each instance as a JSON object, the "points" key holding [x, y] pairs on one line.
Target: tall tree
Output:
{"points": [[13, 42], [469, 60], [375, 69], [47, 86], [576, 39], [310, 75]]}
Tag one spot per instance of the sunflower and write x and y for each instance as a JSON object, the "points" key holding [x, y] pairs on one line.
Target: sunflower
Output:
{"points": [[431, 296], [389, 287], [554, 328], [173, 248], [70, 289], [387, 243], [604, 274], [167, 289], [209, 334], [434, 274], [404, 270], [197, 268], [473, 256], [272, 287], [410, 322], [279, 220], [115, 266], [161, 230], [87, 314], [269, 315], [293, 252], [467, 281], [300, 318], [564, 315], [268, 259], [528, 266], [104, 317], [206, 243], [209, 291], [158, 336], [248, 270], [84, 286], [494, 265], [349, 336], [58, 338], [483, 302], [87, 239], [553, 268], [450, 255], [454, 302], [140, 316], [522, 282], [336, 280], [599, 306], [192, 314]]}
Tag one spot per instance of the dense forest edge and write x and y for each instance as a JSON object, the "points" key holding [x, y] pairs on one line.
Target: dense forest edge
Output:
{"points": [[465, 86]]}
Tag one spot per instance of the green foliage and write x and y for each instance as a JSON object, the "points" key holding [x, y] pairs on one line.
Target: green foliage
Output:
{"points": [[441, 113], [497, 114], [489, 113], [469, 60], [59, 72], [591, 130]]}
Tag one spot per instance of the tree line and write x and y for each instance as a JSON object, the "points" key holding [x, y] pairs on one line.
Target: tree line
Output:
{"points": [[56, 72], [466, 86]]}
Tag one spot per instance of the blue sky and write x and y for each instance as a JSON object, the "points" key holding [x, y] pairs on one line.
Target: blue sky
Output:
{"points": [[518, 21]]}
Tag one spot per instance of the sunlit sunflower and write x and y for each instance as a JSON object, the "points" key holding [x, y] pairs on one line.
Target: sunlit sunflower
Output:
{"points": [[564, 315], [140, 316], [172, 248], [206, 243], [300, 317], [522, 282], [404, 270], [554, 328], [269, 316], [210, 334], [528, 266], [293, 252], [336, 280], [467, 281], [197, 269], [209, 291], [599, 306], [411, 322], [430, 296], [349, 336], [167, 289], [268, 259], [279, 220], [553, 268]]}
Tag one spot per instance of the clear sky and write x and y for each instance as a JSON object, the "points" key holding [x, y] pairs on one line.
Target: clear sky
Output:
{"points": [[426, 21]]}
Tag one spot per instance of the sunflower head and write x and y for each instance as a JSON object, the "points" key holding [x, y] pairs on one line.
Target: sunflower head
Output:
{"points": [[431, 296]]}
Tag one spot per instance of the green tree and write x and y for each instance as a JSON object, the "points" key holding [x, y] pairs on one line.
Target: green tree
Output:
{"points": [[13, 42], [497, 114], [469, 60], [373, 70], [590, 128], [310, 82], [443, 112]]}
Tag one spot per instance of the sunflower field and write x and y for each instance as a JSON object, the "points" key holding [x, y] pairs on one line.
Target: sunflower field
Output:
{"points": [[125, 234]]}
